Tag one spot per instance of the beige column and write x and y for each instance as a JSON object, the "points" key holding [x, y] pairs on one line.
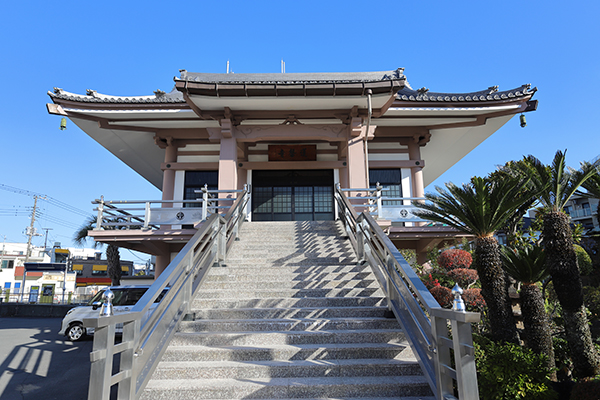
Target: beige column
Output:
{"points": [[162, 262], [357, 177], [228, 169], [168, 185], [414, 153]]}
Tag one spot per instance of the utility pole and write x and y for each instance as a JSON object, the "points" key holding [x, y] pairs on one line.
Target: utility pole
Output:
{"points": [[30, 233], [46, 240]]}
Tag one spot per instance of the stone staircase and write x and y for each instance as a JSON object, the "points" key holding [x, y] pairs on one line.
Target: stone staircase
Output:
{"points": [[291, 315]]}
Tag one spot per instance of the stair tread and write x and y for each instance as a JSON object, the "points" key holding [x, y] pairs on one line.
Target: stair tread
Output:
{"points": [[290, 363], [268, 381]]}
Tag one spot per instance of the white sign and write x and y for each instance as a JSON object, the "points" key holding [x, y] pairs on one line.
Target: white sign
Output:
{"points": [[400, 213], [175, 216]]}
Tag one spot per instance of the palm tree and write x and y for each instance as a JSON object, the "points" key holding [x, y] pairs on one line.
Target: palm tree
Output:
{"points": [[527, 265], [555, 185], [112, 252], [480, 208]]}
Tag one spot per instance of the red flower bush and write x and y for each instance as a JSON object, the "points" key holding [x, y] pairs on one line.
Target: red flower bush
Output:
{"points": [[429, 282], [463, 276], [473, 300], [443, 295], [454, 258]]}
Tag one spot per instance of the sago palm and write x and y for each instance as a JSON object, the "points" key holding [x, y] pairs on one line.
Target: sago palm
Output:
{"points": [[480, 208], [559, 184], [528, 266]]}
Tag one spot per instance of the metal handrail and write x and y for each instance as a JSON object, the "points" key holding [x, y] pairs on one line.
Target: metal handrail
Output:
{"points": [[424, 322], [147, 331], [113, 215]]}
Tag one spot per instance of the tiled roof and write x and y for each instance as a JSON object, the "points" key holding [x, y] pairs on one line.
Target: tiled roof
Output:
{"points": [[293, 78], [92, 96], [491, 94]]}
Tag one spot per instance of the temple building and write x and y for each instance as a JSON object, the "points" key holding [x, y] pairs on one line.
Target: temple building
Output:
{"points": [[290, 137]]}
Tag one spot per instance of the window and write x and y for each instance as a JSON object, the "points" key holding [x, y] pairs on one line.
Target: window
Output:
{"points": [[390, 179], [6, 285], [568, 210], [8, 263], [195, 180]]}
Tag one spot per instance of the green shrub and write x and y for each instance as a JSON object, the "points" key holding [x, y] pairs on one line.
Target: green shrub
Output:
{"points": [[584, 260], [591, 297], [508, 372]]}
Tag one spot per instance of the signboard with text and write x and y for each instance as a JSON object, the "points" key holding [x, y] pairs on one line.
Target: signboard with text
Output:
{"points": [[293, 152]]}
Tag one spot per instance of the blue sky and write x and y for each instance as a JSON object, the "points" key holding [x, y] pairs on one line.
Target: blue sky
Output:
{"points": [[136, 47]]}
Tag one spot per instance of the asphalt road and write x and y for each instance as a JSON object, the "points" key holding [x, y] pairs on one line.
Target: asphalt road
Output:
{"points": [[36, 363]]}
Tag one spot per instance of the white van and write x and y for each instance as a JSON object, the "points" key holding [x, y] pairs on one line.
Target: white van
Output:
{"points": [[124, 300]]}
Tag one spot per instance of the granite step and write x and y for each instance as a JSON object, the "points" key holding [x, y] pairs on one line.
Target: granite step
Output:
{"points": [[288, 337], [287, 293], [287, 302], [266, 352], [284, 369], [283, 284], [286, 324], [288, 388], [306, 312]]}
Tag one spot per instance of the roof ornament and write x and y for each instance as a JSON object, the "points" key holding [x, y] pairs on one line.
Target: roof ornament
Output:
{"points": [[493, 89], [423, 90], [159, 93], [91, 92], [183, 73], [291, 120], [58, 90], [398, 73]]}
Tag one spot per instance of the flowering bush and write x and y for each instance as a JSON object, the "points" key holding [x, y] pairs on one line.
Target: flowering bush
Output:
{"points": [[454, 258], [473, 300], [429, 281], [464, 277], [443, 295]]}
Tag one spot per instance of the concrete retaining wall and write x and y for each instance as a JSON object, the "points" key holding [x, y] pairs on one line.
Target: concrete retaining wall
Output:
{"points": [[34, 310]]}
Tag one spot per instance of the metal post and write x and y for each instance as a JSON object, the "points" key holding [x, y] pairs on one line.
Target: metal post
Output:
{"points": [[100, 211], [379, 202], [204, 202], [147, 216]]}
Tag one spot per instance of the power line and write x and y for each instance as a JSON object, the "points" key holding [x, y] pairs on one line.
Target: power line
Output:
{"points": [[49, 199]]}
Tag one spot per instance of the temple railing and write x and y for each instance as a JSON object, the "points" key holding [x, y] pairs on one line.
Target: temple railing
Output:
{"points": [[441, 339], [151, 214], [375, 202], [148, 330]]}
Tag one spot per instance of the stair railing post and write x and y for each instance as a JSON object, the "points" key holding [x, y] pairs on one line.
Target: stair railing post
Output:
{"points": [[204, 202], [441, 357], [379, 202], [360, 240], [127, 387], [464, 359], [147, 216], [100, 212]]}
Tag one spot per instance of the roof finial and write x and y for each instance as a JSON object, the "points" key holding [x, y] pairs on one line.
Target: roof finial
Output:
{"points": [[90, 92], [423, 90], [159, 93], [493, 89], [58, 90]]}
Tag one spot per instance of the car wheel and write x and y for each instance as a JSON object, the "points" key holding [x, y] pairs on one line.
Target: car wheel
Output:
{"points": [[76, 332]]}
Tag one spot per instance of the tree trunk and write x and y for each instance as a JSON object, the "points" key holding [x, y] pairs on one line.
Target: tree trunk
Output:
{"points": [[114, 264], [562, 264], [494, 290], [537, 328]]}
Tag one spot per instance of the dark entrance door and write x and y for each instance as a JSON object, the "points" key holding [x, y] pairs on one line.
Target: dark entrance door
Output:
{"points": [[292, 195]]}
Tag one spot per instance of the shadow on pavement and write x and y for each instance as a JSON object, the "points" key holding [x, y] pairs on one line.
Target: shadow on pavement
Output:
{"points": [[38, 363]]}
